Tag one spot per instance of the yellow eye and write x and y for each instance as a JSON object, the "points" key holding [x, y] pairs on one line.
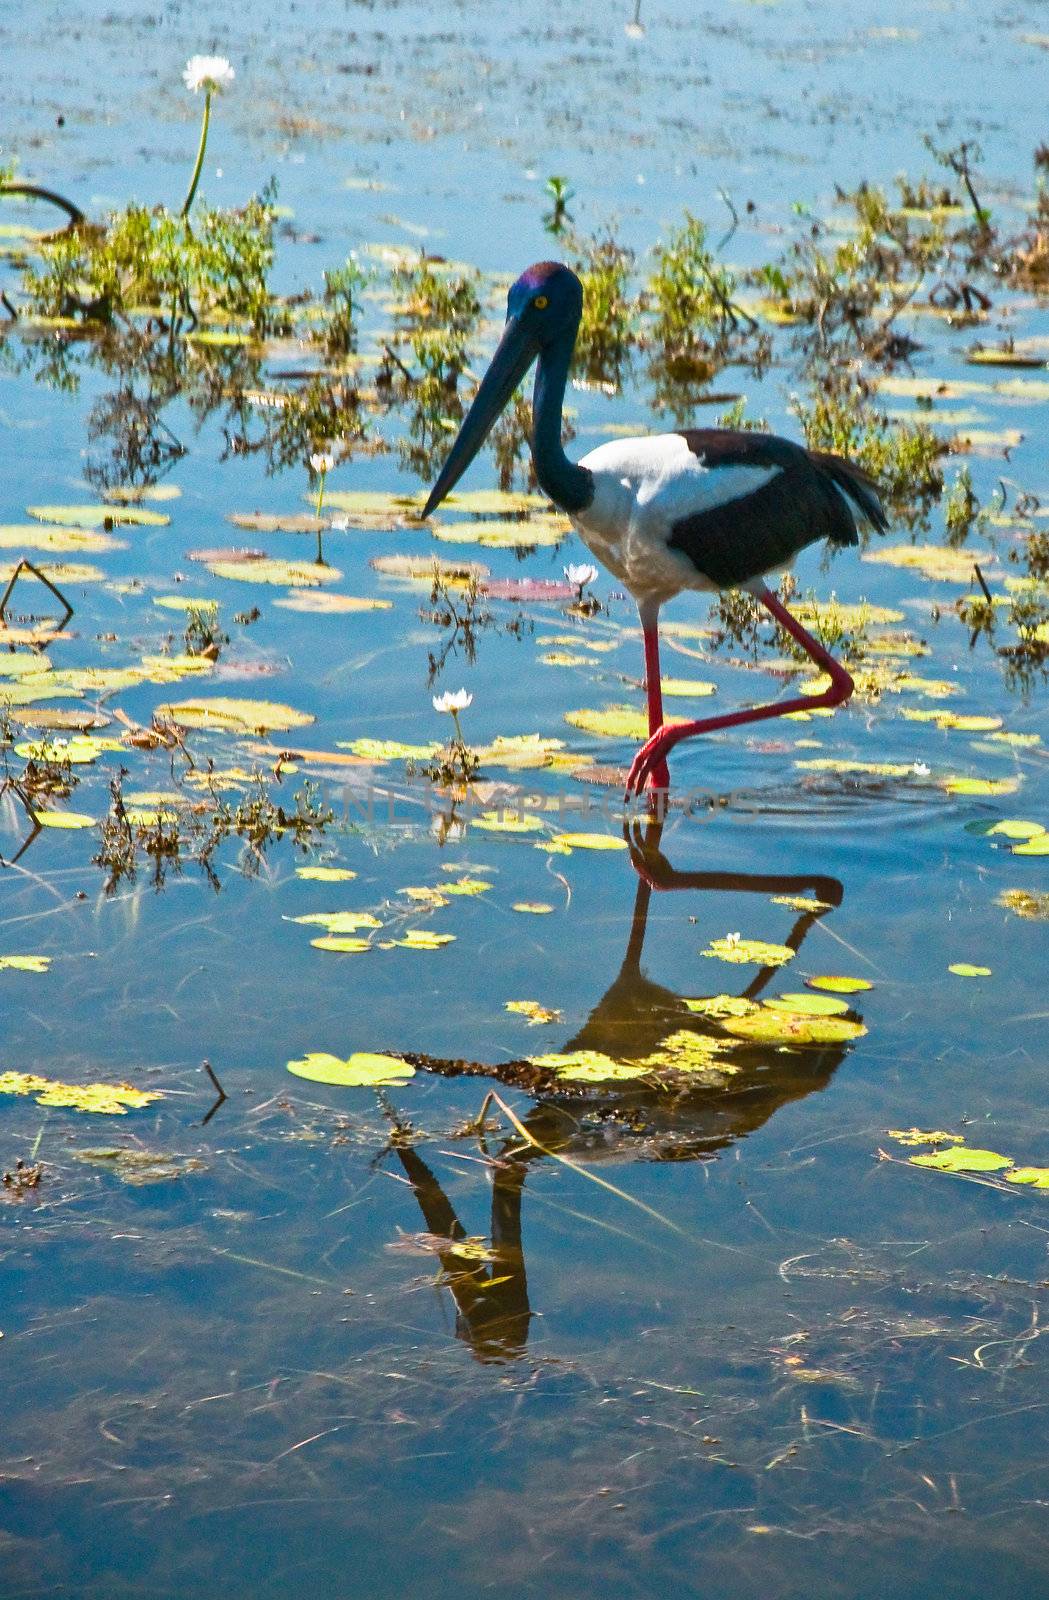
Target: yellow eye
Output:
{"points": [[540, 302]]}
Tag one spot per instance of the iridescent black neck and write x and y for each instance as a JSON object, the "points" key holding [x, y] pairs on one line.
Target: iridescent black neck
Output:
{"points": [[569, 486]]}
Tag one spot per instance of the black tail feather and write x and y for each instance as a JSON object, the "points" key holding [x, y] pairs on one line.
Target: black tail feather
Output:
{"points": [[858, 486]]}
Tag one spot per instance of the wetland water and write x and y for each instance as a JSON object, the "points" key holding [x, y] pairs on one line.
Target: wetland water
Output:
{"points": [[337, 1338]]}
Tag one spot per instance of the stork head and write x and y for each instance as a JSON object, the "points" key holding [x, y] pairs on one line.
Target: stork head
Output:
{"points": [[542, 312]]}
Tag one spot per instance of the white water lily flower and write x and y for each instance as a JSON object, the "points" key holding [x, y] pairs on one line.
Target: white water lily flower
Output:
{"points": [[213, 73], [580, 575], [322, 462], [452, 702], [920, 769]]}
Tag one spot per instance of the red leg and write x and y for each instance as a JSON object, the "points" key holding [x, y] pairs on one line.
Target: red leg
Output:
{"points": [[659, 775], [659, 744]]}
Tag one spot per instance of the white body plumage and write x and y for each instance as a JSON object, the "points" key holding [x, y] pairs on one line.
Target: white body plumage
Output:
{"points": [[642, 488]]}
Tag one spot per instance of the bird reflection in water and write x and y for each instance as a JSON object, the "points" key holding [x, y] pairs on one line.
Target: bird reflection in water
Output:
{"points": [[488, 1281]]}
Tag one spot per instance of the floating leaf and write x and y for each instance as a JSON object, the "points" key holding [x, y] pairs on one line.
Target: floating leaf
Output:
{"points": [[749, 951], [496, 535], [589, 1066], [1037, 1177], [528, 591], [222, 714], [611, 722], [919, 1136], [64, 819], [506, 822], [835, 612], [423, 939], [184, 602], [1016, 828], [981, 786], [111, 1099], [425, 567], [955, 720], [168, 669], [322, 602], [721, 1005], [691, 1053], [135, 493], [687, 688], [341, 944], [25, 963], [221, 338], [361, 1070], [52, 717], [61, 573], [800, 902], [1030, 390], [563, 658], [32, 536], [491, 502], [589, 841], [1037, 846], [388, 749], [808, 1005], [532, 1009], [250, 566], [465, 886], [520, 750], [99, 680], [959, 1158], [426, 895], [24, 664], [80, 750], [99, 516], [277, 521], [325, 874], [769, 1025], [942, 563], [834, 984], [372, 507], [965, 969], [337, 921], [536, 908]]}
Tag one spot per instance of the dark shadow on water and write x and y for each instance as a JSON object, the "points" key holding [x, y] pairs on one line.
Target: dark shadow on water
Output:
{"points": [[685, 1122]]}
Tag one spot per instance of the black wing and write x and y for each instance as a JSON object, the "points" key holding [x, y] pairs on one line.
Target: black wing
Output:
{"points": [[813, 496]]}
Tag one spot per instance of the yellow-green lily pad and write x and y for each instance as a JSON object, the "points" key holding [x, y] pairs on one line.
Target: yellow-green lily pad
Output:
{"points": [[360, 1071]]}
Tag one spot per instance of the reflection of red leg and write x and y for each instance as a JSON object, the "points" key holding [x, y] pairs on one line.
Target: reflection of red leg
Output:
{"points": [[659, 774], [653, 754]]}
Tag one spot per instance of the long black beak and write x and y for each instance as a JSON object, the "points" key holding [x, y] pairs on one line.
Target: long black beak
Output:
{"points": [[513, 357]]}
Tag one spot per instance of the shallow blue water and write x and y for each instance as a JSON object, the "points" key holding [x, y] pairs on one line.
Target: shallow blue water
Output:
{"points": [[804, 1368]]}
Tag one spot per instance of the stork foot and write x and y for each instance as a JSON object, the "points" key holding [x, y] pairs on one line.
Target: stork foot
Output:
{"points": [[649, 768]]}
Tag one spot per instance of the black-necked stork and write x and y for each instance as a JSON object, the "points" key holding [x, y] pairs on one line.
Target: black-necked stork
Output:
{"points": [[704, 509]]}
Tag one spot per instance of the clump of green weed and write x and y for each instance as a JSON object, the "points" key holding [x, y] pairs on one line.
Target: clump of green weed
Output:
{"points": [[145, 258], [696, 324], [902, 457], [606, 329], [961, 509], [168, 840], [558, 220], [307, 419], [202, 635], [735, 418], [342, 292], [690, 295], [427, 357]]}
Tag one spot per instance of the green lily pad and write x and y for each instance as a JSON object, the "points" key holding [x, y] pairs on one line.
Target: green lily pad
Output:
{"points": [[360, 1071]]}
